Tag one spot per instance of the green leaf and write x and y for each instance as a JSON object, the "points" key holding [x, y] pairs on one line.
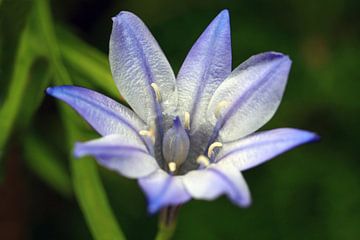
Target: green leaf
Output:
{"points": [[87, 184], [13, 99], [13, 17], [14, 14], [39, 78], [47, 165]]}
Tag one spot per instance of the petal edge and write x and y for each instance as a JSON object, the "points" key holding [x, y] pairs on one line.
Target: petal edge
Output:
{"points": [[260, 147], [163, 190], [249, 97]]}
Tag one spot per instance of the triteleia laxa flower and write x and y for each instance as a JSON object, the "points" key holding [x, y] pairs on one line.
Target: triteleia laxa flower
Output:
{"points": [[189, 136]]}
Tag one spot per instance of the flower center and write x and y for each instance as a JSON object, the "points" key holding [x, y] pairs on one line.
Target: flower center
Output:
{"points": [[175, 145]]}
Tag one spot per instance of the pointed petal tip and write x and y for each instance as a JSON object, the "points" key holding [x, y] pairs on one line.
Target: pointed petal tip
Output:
{"points": [[152, 208], [303, 135], [177, 122], [272, 55], [153, 205], [316, 137], [50, 91], [245, 203], [54, 91], [78, 153], [123, 15], [313, 137], [308, 136], [224, 13], [223, 18]]}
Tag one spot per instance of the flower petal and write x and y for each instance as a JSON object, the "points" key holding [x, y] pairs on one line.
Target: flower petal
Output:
{"points": [[218, 179], [163, 190], [249, 97], [105, 115], [115, 152], [260, 147], [205, 67], [136, 62]]}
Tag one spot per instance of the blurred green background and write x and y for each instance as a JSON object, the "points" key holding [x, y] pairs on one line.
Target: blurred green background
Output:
{"points": [[309, 193]]}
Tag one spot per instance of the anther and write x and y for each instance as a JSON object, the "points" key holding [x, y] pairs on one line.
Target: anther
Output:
{"points": [[220, 107], [203, 160], [157, 91], [172, 166], [145, 133], [187, 120], [212, 147], [148, 133]]}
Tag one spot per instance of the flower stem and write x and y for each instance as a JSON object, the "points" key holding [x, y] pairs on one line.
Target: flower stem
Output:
{"points": [[167, 223]]}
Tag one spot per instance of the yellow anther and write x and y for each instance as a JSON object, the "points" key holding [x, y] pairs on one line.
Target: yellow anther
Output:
{"points": [[203, 160], [220, 108], [148, 133], [157, 91], [187, 120], [212, 147], [172, 166]]}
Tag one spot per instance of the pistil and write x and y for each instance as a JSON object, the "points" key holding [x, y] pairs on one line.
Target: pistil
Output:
{"points": [[176, 145]]}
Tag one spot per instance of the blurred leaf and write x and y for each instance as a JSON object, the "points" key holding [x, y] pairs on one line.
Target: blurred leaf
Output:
{"points": [[87, 184], [12, 13], [13, 17], [46, 165], [12, 103], [39, 78], [88, 61]]}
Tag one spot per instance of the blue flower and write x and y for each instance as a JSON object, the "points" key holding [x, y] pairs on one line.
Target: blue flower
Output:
{"points": [[190, 136]]}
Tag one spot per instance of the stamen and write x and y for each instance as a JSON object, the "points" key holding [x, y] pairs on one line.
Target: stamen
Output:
{"points": [[148, 133], [220, 108], [172, 166], [187, 120], [212, 147], [203, 160], [145, 133], [157, 91]]}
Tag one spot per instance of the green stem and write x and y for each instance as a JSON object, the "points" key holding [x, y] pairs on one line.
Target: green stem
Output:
{"points": [[167, 223], [12, 104], [88, 187]]}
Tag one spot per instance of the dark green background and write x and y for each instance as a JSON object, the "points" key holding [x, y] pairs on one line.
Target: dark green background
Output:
{"points": [[312, 192]]}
